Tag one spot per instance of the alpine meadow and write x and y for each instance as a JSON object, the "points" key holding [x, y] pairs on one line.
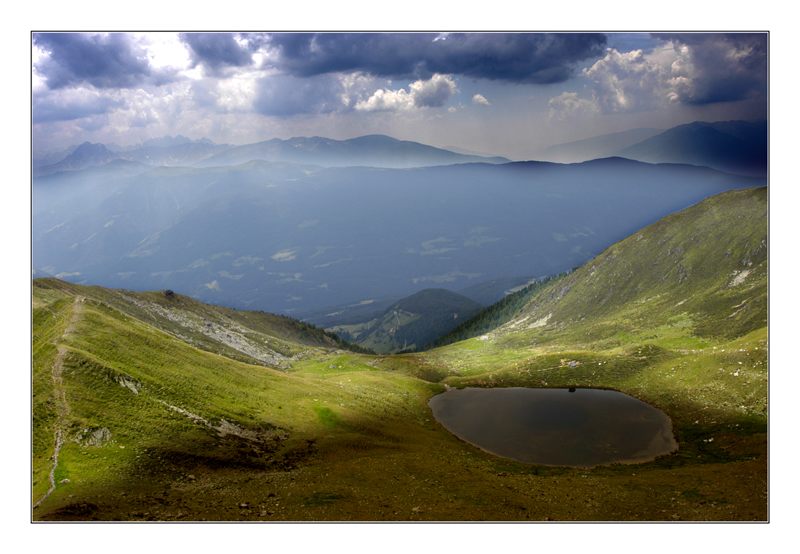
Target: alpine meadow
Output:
{"points": [[395, 277]]}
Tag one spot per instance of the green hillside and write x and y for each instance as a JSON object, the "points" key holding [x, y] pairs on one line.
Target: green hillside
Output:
{"points": [[150, 413], [147, 413], [704, 268], [255, 337], [495, 315], [411, 323]]}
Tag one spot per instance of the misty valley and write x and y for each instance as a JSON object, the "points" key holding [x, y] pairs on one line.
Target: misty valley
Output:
{"points": [[301, 239]]}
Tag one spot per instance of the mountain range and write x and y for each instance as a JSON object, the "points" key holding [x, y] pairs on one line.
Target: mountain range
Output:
{"points": [[602, 146], [370, 150], [731, 146], [295, 238]]}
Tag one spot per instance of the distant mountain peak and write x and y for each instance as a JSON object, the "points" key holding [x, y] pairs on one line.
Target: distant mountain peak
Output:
{"points": [[613, 160], [377, 137], [90, 147], [368, 150], [168, 141], [88, 152], [733, 146], [601, 146]]}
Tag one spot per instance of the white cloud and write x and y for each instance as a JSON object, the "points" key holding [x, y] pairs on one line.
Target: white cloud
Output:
{"points": [[444, 277], [386, 100], [246, 260], [38, 81], [433, 247], [284, 255], [238, 91], [480, 100], [354, 88], [334, 262], [478, 237], [286, 277], [213, 285], [432, 93], [628, 81], [687, 70], [569, 104]]}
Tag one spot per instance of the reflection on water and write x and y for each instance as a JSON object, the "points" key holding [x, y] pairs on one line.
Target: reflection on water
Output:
{"points": [[570, 427]]}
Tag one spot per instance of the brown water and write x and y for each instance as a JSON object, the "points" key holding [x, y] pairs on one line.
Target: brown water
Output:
{"points": [[565, 427]]}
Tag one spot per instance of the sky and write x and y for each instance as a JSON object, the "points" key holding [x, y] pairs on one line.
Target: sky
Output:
{"points": [[509, 94]]}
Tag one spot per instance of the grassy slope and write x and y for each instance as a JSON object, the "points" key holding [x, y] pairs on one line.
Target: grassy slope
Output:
{"points": [[50, 315], [495, 315], [270, 333], [412, 322], [153, 449], [341, 435]]}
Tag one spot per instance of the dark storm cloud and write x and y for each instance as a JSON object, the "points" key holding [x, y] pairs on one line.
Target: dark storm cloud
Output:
{"points": [[104, 61], [216, 50], [285, 95], [516, 57], [758, 40], [726, 66]]}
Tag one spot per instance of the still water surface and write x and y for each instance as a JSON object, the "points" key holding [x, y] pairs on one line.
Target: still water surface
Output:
{"points": [[569, 427]]}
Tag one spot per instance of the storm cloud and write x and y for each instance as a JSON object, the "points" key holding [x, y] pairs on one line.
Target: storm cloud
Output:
{"points": [[688, 69], [518, 57], [102, 60], [216, 50], [724, 67], [285, 95], [435, 87]]}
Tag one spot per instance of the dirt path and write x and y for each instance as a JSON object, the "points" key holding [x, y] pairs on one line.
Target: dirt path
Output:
{"points": [[62, 407]]}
